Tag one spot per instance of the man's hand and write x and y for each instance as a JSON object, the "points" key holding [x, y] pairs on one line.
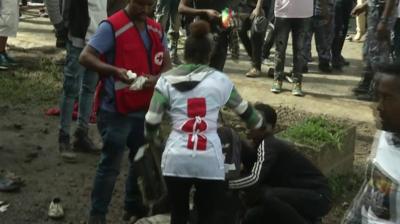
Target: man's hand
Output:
{"points": [[151, 81], [256, 12], [121, 74], [382, 32], [359, 9], [212, 14]]}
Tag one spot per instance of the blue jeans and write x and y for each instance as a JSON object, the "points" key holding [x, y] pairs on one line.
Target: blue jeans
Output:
{"points": [[117, 131], [78, 82]]}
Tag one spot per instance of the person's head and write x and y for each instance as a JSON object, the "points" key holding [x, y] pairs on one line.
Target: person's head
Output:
{"points": [[198, 45], [388, 93], [139, 9], [270, 117]]}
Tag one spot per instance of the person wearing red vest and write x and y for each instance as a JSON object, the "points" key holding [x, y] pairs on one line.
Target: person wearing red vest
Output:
{"points": [[128, 43]]}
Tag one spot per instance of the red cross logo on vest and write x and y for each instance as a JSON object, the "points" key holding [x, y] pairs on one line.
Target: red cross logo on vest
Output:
{"points": [[159, 58], [196, 125]]}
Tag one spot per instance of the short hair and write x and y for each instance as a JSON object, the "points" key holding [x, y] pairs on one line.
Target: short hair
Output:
{"points": [[269, 114], [392, 69]]}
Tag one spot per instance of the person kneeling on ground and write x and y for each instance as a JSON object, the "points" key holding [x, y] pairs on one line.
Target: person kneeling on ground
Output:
{"points": [[280, 185]]}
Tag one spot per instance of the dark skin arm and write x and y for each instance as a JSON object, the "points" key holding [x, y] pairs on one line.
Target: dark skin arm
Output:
{"points": [[185, 9], [90, 58], [382, 31]]}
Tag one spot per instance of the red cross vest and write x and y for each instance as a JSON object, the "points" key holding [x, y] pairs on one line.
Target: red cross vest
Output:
{"points": [[131, 54]]}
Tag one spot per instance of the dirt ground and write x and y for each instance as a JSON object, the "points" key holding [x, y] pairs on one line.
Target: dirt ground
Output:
{"points": [[28, 138]]}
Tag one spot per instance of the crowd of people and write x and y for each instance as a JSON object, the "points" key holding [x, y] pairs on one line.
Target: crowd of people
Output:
{"points": [[121, 63]]}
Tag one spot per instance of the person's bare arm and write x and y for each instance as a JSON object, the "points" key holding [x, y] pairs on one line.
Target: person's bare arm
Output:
{"points": [[382, 31], [258, 9], [185, 9], [90, 58]]}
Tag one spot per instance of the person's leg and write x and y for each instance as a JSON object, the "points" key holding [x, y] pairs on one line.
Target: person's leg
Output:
{"points": [[114, 129], [3, 43], [269, 40], [9, 17], [244, 37], [338, 34], [282, 28], [87, 89], [396, 39], [208, 194], [308, 41], [218, 56], [175, 23], [347, 6], [133, 198], [360, 22], [299, 28], [257, 39], [323, 45], [309, 204], [73, 74], [178, 192], [162, 13]]}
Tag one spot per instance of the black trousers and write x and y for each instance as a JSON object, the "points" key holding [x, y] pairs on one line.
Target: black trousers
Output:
{"points": [[220, 50], [253, 43], [206, 197], [299, 28], [342, 16], [288, 206]]}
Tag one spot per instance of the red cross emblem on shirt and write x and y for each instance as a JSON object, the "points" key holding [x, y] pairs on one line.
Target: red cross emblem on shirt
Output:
{"points": [[196, 125]]}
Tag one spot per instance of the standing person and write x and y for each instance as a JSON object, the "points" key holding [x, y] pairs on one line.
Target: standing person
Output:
{"points": [[377, 47], [322, 27], [256, 23], [193, 94], [342, 17], [128, 40], [270, 32], [378, 199], [9, 12], [167, 14], [291, 16], [76, 24], [210, 11], [279, 184], [360, 23]]}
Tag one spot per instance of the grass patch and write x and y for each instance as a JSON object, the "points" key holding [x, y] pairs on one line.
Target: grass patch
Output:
{"points": [[40, 84], [315, 131]]}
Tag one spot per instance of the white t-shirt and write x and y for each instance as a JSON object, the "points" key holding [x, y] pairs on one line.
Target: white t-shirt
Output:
{"points": [[294, 8]]}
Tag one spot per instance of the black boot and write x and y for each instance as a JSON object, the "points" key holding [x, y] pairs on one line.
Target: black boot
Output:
{"points": [[364, 85], [325, 67], [82, 141]]}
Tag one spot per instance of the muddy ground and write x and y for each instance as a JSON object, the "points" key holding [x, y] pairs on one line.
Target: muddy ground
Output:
{"points": [[28, 138]]}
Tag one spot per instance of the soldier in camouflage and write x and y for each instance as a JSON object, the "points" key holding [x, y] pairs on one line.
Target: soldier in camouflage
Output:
{"points": [[381, 19]]}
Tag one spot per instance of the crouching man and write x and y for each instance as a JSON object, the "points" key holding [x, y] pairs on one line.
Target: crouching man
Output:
{"points": [[278, 184]]}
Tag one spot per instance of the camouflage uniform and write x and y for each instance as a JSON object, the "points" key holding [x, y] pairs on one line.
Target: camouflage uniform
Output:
{"points": [[323, 31], [374, 50]]}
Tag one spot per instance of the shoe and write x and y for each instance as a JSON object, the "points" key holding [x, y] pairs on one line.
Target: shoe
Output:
{"points": [[65, 148], [4, 65], [325, 67], [305, 69], [97, 219], [366, 97], [363, 86], [132, 217], [7, 60], [296, 91], [56, 211], [83, 143], [253, 73], [277, 86], [8, 185], [337, 66]]}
